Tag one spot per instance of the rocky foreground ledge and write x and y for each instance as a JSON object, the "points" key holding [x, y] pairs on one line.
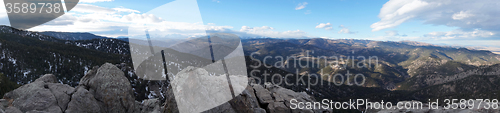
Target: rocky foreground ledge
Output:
{"points": [[105, 89]]}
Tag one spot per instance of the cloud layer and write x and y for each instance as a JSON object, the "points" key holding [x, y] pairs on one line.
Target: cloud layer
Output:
{"points": [[460, 34], [326, 26], [474, 18], [266, 31], [301, 6], [114, 22], [345, 30]]}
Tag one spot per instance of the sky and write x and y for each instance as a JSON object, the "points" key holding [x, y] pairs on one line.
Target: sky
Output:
{"points": [[471, 23]]}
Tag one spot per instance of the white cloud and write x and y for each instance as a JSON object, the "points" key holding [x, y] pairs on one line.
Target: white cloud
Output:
{"points": [[462, 15], [142, 18], [66, 19], [94, 1], [106, 21], [213, 27], [460, 34], [345, 30], [326, 26], [121, 21], [301, 6], [127, 10], [107, 24], [255, 29], [391, 33], [465, 14], [86, 18], [266, 31]]}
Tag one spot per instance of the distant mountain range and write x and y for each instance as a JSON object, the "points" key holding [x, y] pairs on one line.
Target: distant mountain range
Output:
{"points": [[405, 71], [72, 36], [397, 61]]}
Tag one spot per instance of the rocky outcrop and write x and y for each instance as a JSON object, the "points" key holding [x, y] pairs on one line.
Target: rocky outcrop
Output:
{"points": [[101, 90], [111, 89], [282, 97], [151, 106], [277, 100], [254, 98], [83, 101], [196, 91], [105, 89], [45, 95], [247, 102], [12, 109]]}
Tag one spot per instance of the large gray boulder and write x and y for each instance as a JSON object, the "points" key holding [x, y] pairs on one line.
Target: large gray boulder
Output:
{"points": [[269, 98], [150, 106], [263, 94], [111, 88], [284, 95], [43, 95], [62, 92], [82, 101], [224, 108], [246, 102], [276, 99], [277, 107], [12, 109], [4, 103], [195, 90]]}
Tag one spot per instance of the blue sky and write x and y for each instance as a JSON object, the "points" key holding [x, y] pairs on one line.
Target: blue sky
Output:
{"points": [[459, 22]]}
